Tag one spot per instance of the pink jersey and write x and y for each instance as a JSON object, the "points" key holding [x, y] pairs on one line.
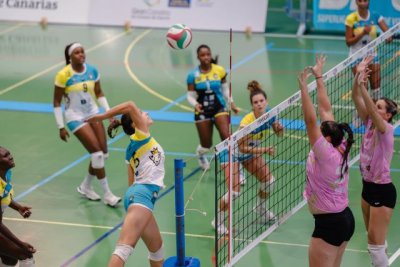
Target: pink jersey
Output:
{"points": [[376, 154], [325, 189]]}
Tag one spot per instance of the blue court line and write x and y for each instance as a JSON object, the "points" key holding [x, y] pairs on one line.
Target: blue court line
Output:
{"points": [[178, 154], [51, 177], [159, 115], [98, 240], [170, 105], [309, 51], [235, 66]]}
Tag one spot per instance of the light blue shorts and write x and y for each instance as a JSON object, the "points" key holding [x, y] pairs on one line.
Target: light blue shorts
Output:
{"points": [[144, 195], [224, 157], [74, 126]]}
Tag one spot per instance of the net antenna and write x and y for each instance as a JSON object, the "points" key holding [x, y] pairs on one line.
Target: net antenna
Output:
{"points": [[247, 228]]}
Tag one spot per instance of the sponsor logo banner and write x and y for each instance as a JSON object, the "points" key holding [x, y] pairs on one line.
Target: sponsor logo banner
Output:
{"points": [[331, 14]]}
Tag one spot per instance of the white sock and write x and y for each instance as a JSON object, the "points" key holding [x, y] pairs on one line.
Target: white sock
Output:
{"points": [[104, 185], [220, 217], [87, 182]]}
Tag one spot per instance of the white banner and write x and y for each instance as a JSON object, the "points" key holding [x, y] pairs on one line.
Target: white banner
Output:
{"points": [[57, 11], [196, 14]]}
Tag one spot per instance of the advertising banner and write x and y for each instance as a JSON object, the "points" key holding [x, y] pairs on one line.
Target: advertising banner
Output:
{"points": [[56, 11], [331, 14], [197, 14]]}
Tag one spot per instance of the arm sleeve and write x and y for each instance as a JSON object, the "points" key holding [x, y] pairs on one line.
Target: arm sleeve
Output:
{"points": [[225, 92], [192, 98], [59, 117], [103, 102]]}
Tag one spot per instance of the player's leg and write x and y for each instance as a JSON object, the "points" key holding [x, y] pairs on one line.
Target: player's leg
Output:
{"points": [[223, 205], [378, 226], [365, 208], [257, 167], [135, 222], [86, 136], [152, 238], [205, 130], [320, 253], [100, 134], [222, 123]]}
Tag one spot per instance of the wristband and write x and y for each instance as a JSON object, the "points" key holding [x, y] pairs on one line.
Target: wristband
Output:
{"points": [[59, 117]]}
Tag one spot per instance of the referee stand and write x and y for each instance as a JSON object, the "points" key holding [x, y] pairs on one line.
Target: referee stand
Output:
{"points": [[180, 260]]}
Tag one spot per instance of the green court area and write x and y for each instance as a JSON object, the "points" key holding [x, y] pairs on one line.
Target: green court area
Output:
{"points": [[68, 230]]}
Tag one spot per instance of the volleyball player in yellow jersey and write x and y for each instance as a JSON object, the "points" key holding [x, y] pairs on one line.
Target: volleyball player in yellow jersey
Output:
{"points": [[361, 28], [208, 93], [12, 249], [145, 159], [250, 148], [249, 155], [79, 84]]}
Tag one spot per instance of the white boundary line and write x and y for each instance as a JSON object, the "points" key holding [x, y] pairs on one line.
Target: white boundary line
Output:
{"points": [[18, 84], [12, 28], [211, 237]]}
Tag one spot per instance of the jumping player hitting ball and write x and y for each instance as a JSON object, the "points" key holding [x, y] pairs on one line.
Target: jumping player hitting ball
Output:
{"points": [[12, 249], [145, 159], [326, 188], [79, 84]]}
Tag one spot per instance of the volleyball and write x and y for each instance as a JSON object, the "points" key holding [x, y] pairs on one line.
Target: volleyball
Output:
{"points": [[179, 36]]}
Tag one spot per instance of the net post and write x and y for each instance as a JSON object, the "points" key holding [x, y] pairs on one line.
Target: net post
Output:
{"points": [[180, 260]]}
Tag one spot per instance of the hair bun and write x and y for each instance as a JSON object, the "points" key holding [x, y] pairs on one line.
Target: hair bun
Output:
{"points": [[253, 86]]}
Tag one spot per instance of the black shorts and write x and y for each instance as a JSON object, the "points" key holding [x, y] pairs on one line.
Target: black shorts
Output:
{"points": [[378, 195], [210, 114], [334, 228]]}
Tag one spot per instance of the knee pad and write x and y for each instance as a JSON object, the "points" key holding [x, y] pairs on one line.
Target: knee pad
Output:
{"points": [[201, 150], [235, 195], [106, 155], [98, 160], [27, 263], [267, 186], [123, 251], [158, 255], [378, 255]]}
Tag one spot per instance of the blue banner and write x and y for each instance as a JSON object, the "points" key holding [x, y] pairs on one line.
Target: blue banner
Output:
{"points": [[331, 14]]}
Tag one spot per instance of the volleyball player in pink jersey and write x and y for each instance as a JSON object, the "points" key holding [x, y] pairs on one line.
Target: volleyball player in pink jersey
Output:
{"points": [[379, 194], [326, 188]]}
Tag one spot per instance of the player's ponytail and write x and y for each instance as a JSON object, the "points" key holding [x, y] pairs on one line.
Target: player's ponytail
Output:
{"points": [[125, 122], [67, 57], [255, 88], [350, 141]]}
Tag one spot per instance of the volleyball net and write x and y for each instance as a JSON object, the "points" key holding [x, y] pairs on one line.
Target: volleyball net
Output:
{"points": [[256, 206]]}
